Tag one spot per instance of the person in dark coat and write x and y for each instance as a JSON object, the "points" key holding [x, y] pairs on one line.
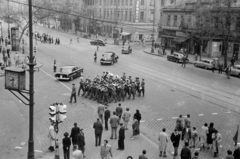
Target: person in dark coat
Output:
{"points": [[137, 116], [211, 130], [121, 137], [236, 152], [106, 117], [81, 142], [74, 134], [185, 152], [175, 138], [66, 146], [98, 132], [119, 111]]}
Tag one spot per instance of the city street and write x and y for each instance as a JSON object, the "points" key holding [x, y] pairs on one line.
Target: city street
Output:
{"points": [[171, 90]]}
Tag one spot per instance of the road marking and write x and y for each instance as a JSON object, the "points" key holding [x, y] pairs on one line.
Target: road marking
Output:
{"points": [[55, 79], [159, 119], [214, 113], [17, 147], [65, 86], [38, 151], [200, 114], [142, 121], [174, 117]]}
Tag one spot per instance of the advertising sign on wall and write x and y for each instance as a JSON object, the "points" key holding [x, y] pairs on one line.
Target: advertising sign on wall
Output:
{"points": [[137, 11], [14, 37]]}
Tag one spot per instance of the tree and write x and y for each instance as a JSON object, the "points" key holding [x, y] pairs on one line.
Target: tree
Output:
{"points": [[19, 15], [217, 20]]}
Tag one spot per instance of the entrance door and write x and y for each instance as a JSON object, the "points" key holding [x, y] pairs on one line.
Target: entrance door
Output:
{"points": [[235, 51]]}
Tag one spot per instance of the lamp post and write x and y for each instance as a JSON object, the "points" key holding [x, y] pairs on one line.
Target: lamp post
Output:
{"points": [[152, 49], [8, 22], [31, 85]]}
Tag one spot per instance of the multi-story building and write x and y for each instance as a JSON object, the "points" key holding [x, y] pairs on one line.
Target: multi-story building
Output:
{"points": [[179, 25], [136, 18]]}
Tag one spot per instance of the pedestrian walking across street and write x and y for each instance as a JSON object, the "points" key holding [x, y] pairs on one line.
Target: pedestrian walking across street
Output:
{"points": [[106, 151], [186, 152], [217, 139], [175, 138], [119, 111], [126, 117], [74, 134], [135, 128], [106, 117], [98, 128], [121, 137], [77, 154], [52, 137], [81, 142], [73, 94], [95, 56], [114, 121], [100, 112], [163, 141], [54, 66], [203, 136], [66, 146]]}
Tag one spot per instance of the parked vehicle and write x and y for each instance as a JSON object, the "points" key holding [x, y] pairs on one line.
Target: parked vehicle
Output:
{"points": [[205, 63], [176, 57], [98, 42], [235, 70], [69, 73], [109, 58], [127, 51]]}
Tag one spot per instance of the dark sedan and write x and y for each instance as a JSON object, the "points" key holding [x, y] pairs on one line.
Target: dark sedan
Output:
{"points": [[98, 42], [108, 58], [69, 73]]}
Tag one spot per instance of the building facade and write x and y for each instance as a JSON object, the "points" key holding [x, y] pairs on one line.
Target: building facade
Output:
{"points": [[179, 25], [136, 18]]}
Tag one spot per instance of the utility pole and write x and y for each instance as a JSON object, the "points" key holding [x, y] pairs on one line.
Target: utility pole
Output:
{"points": [[31, 85], [154, 13], [8, 22], [116, 21]]}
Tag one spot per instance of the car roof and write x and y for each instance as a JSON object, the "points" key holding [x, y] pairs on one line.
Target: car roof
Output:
{"points": [[69, 66]]}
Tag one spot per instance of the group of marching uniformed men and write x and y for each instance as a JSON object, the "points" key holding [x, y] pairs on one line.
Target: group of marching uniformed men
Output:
{"points": [[108, 88]]}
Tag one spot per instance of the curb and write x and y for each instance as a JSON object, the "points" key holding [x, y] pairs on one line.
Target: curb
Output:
{"points": [[164, 56]]}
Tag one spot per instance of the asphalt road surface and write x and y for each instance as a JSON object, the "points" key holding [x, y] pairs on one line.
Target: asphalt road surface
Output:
{"points": [[171, 90]]}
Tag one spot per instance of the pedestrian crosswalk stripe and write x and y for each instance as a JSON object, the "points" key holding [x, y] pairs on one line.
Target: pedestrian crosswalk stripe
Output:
{"points": [[174, 118], [214, 113], [159, 119], [200, 114]]}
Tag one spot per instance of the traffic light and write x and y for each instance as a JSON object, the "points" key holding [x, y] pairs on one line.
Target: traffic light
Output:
{"points": [[53, 113], [62, 112]]}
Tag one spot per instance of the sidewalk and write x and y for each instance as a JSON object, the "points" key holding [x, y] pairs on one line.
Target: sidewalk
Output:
{"points": [[132, 147], [190, 56]]}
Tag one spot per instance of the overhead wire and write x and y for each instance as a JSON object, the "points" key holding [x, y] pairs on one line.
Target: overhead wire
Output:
{"points": [[104, 21]]}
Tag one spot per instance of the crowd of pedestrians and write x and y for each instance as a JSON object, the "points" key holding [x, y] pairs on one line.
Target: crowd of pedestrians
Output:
{"points": [[118, 121]]}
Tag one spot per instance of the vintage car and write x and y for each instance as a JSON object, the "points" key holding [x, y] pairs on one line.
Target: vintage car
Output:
{"points": [[127, 51], [98, 42], [176, 57], [235, 70], [204, 63], [69, 72], [108, 58]]}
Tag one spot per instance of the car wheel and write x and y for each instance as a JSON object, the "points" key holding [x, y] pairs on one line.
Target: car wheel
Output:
{"points": [[195, 65], [71, 78], [239, 75], [205, 67], [101, 63], [177, 61], [112, 62]]}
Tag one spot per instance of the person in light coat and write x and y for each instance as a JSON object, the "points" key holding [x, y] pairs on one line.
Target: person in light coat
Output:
{"points": [[52, 137], [126, 118], [217, 139], [163, 140]]}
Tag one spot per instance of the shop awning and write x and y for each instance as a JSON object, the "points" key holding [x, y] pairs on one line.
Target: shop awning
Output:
{"points": [[125, 33], [179, 39]]}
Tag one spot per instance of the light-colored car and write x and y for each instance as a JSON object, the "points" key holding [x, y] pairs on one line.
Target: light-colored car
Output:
{"points": [[204, 63], [235, 70]]}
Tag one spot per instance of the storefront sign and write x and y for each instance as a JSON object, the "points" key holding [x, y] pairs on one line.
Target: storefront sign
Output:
{"points": [[137, 11]]}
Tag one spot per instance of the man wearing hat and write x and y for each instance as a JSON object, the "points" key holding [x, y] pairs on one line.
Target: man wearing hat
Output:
{"points": [[100, 112], [74, 134], [73, 94], [121, 137], [66, 146], [81, 87], [98, 132], [142, 87]]}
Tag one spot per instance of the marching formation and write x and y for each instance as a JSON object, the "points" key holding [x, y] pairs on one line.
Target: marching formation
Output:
{"points": [[109, 88]]}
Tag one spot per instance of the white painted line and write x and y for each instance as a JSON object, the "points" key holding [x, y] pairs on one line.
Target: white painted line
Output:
{"points": [[159, 119], [55, 79], [17, 147], [142, 121], [214, 113], [200, 114], [38, 151], [174, 117]]}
